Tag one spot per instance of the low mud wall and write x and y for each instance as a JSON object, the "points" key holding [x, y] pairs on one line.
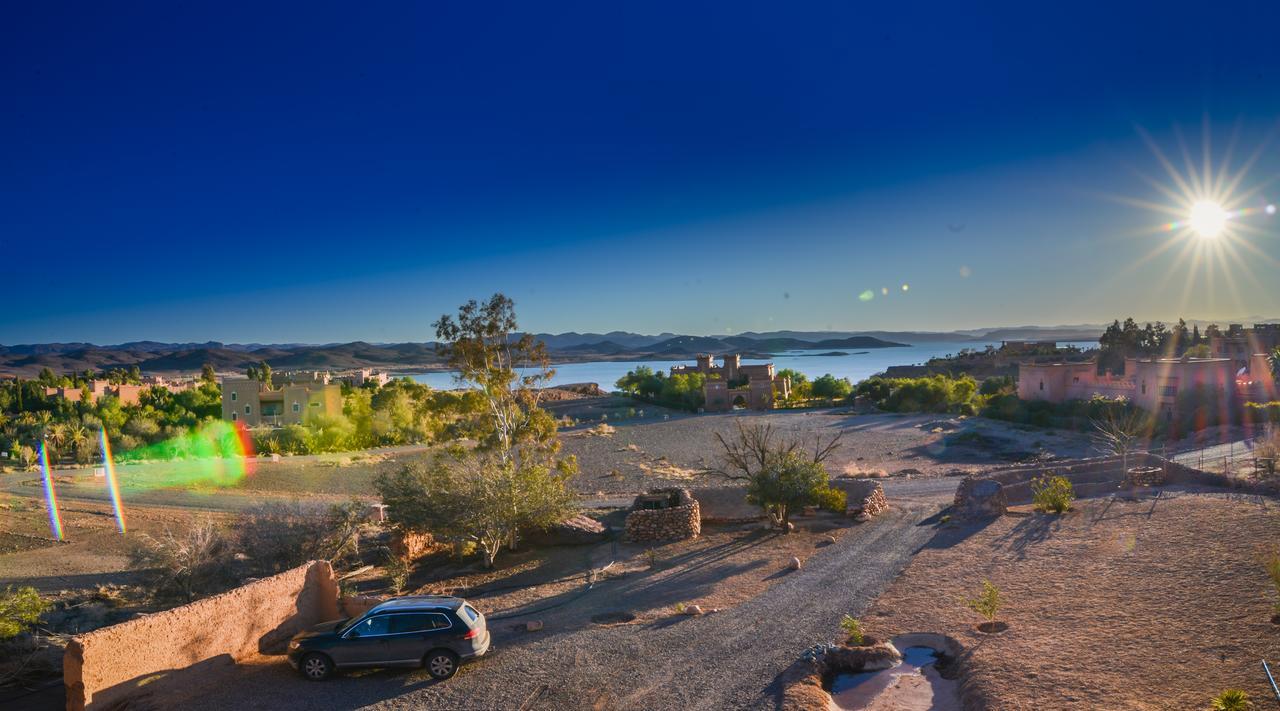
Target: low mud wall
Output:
{"points": [[725, 504], [110, 666]]}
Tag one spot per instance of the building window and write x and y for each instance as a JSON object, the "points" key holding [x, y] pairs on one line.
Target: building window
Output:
{"points": [[315, 404], [1144, 387], [1169, 390], [248, 409], [233, 397], [297, 407], [233, 417], [1076, 379], [1042, 385]]}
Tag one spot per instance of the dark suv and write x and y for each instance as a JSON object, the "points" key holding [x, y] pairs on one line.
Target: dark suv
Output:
{"points": [[420, 630]]}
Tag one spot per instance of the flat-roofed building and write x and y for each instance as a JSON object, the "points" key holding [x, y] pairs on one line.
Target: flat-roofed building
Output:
{"points": [[1152, 384], [251, 402]]}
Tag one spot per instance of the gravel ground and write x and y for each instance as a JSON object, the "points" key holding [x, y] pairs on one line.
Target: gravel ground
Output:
{"points": [[729, 659], [642, 455], [1155, 603]]}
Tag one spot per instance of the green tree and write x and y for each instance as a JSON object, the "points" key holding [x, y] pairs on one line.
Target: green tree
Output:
{"points": [[829, 386], [514, 478], [207, 375]]}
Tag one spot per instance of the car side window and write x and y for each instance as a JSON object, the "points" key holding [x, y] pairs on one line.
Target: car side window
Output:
{"points": [[373, 626], [418, 622]]}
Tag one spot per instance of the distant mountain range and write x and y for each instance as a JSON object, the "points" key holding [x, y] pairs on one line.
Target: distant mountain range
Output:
{"points": [[156, 357]]}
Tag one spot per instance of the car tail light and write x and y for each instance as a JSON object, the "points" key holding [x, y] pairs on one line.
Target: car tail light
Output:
{"points": [[472, 634]]}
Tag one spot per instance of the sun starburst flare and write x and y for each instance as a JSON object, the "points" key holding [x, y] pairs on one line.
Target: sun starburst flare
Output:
{"points": [[1214, 219]]}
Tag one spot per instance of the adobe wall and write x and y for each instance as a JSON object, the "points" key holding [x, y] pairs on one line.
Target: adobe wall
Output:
{"points": [[107, 666]]}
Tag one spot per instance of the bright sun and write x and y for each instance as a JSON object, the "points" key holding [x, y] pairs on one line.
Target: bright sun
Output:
{"points": [[1207, 219]]}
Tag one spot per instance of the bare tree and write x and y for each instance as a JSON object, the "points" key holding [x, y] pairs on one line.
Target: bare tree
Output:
{"points": [[781, 473], [1120, 434]]}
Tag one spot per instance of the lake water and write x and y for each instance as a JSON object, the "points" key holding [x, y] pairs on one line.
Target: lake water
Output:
{"points": [[857, 365]]}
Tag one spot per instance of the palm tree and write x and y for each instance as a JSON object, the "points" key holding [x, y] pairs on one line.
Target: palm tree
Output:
{"points": [[81, 443], [56, 437]]}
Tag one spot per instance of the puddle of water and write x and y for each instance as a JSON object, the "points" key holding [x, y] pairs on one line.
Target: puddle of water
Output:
{"points": [[913, 684]]}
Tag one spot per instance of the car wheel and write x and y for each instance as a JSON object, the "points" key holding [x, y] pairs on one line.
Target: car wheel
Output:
{"points": [[316, 667], [441, 663]]}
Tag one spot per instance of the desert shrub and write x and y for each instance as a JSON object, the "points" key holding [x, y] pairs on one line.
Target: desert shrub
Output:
{"points": [[20, 609], [397, 570], [280, 535], [191, 562], [853, 628], [987, 602], [1231, 700], [651, 557], [1052, 494], [998, 385], [1259, 412], [833, 499]]}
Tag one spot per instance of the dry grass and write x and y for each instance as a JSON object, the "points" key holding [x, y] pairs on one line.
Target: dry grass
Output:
{"points": [[1150, 604]]}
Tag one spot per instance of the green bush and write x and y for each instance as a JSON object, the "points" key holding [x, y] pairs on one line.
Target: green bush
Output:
{"points": [[20, 609], [853, 628], [1231, 700], [935, 393], [1052, 494], [833, 499]]}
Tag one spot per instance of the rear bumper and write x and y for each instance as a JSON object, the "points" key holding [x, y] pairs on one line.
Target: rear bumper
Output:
{"points": [[478, 647]]}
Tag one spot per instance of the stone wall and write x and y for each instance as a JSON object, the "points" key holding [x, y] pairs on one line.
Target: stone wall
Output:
{"points": [[109, 666], [864, 496], [670, 524]]}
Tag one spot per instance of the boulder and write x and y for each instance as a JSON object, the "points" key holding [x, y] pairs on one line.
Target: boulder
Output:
{"points": [[795, 564], [533, 626], [980, 498]]}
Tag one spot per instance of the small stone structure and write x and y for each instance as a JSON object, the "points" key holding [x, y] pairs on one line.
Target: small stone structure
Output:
{"points": [[664, 515], [1145, 476], [864, 497], [977, 497]]}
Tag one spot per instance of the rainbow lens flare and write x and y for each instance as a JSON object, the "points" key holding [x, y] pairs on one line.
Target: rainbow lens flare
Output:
{"points": [[51, 498], [214, 455], [113, 485]]}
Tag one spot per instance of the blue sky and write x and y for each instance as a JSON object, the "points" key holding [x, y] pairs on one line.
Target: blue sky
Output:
{"points": [[310, 172]]}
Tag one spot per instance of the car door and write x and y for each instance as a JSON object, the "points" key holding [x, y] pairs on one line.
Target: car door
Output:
{"points": [[412, 634], [365, 644]]}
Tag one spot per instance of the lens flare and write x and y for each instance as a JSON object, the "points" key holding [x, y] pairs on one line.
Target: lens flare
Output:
{"points": [[216, 454], [113, 485], [50, 497], [866, 295]]}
